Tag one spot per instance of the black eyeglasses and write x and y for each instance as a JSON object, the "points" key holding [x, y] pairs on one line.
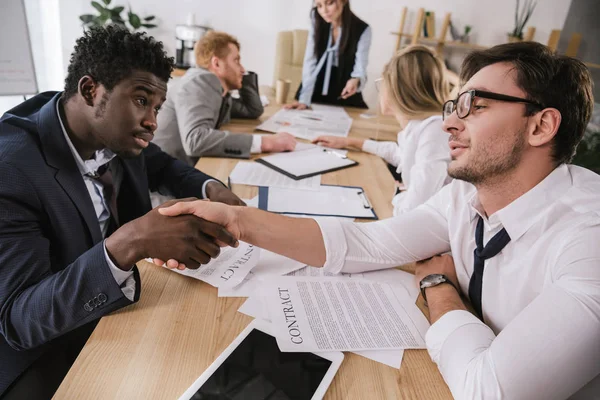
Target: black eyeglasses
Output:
{"points": [[464, 102]]}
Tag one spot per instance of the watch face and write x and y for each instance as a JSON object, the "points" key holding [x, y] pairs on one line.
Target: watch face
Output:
{"points": [[432, 280]]}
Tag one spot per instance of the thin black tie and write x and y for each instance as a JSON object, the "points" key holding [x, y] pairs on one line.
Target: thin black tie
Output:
{"points": [[493, 247]]}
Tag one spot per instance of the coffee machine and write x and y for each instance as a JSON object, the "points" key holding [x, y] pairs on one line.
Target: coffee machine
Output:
{"points": [[187, 35]]}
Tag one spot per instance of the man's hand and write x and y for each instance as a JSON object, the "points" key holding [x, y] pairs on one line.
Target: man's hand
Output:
{"points": [[350, 88], [334, 142], [221, 214], [191, 240], [296, 106], [277, 143], [215, 191], [443, 264]]}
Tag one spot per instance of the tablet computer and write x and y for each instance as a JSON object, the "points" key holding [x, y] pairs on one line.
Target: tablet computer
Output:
{"points": [[253, 368]]}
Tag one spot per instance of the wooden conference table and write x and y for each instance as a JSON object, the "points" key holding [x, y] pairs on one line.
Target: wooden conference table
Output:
{"points": [[158, 347]]}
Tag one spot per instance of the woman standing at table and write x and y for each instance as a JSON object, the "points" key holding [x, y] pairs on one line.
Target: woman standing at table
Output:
{"points": [[413, 88], [336, 57]]}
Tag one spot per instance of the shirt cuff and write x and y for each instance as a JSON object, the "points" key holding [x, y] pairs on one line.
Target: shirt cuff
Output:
{"points": [[256, 144], [362, 81], [334, 240], [370, 146], [444, 327], [305, 98], [121, 277], [204, 196]]}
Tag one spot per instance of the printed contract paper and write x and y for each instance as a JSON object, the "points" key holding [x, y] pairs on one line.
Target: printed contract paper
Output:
{"points": [[323, 314]]}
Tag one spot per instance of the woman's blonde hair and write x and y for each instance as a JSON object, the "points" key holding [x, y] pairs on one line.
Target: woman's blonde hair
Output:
{"points": [[416, 84], [213, 44]]}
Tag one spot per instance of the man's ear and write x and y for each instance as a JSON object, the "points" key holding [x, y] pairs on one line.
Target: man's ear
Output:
{"points": [[88, 89], [546, 125], [215, 62]]}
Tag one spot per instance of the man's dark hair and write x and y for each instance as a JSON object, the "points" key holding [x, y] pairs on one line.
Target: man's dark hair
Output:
{"points": [[110, 54], [549, 79]]}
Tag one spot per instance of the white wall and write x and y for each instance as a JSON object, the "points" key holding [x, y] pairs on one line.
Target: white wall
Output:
{"points": [[256, 23], [45, 40]]}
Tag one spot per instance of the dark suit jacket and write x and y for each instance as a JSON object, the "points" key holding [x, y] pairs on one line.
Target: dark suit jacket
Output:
{"points": [[54, 279]]}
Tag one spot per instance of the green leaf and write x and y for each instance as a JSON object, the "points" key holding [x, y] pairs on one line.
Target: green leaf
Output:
{"points": [[149, 26], [149, 18], [99, 7], [134, 20], [107, 2], [86, 18], [98, 21], [117, 10]]}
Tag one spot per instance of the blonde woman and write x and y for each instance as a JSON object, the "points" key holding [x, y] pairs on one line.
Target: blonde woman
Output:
{"points": [[413, 89]]}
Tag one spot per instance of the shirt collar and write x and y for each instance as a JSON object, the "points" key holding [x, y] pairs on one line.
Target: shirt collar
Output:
{"points": [[522, 213], [87, 167]]}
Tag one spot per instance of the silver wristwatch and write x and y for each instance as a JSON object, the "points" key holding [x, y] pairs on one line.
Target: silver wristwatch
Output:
{"points": [[434, 280]]}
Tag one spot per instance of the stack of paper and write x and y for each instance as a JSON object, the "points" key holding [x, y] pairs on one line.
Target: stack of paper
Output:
{"points": [[371, 314]]}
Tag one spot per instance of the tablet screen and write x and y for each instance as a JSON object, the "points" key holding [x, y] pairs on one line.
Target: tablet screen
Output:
{"points": [[257, 370]]}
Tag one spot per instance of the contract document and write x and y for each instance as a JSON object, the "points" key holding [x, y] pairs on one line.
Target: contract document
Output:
{"points": [[229, 269], [323, 314]]}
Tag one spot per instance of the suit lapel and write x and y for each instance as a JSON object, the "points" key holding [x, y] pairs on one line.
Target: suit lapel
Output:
{"points": [[58, 155]]}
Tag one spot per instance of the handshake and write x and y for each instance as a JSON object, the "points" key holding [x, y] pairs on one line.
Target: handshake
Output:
{"points": [[185, 232]]}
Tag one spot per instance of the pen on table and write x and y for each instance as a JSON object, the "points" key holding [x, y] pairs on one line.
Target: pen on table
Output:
{"points": [[335, 153]]}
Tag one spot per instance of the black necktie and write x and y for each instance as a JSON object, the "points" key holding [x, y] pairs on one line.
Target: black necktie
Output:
{"points": [[493, 247], [104, 176]]}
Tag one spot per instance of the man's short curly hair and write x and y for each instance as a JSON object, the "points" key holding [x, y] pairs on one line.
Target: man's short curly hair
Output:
{"points": [[110, 54]]}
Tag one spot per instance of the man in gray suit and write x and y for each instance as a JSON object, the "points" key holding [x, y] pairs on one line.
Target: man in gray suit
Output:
{"points": [[200, 102]]}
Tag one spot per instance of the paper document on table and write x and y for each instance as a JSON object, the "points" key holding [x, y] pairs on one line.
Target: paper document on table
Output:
{"points": [[251, 173], [323, 314], [308, 124], [255, 307], [323, 108], [314, 271], [229, 268], [269, 264], [395, 277], [300, 146]]}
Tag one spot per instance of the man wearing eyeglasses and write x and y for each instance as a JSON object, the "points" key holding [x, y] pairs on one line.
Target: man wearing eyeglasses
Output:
{"points": [[522, 226]]}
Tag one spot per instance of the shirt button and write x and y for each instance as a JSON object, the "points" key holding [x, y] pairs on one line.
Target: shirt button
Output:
{"points": [[88, 307], [102, 298]]}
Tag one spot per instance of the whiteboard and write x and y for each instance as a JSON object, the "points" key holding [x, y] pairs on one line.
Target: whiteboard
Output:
{"points": [[17, 73]]}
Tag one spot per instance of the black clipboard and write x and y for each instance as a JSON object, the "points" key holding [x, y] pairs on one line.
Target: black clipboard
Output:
{"points": [[263, 204], [296, 177]]}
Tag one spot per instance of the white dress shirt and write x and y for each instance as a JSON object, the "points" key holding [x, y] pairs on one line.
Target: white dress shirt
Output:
{"points": [[541, 293], [89, 167], [421, 155], [329, 59]]}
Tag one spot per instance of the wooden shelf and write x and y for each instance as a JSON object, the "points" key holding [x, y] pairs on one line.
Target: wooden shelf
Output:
{"points": [[592, 65], [401, 34]]}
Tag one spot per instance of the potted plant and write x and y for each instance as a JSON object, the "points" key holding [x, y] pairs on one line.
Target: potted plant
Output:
{"points": [[522, 15], [112, 15], [465, 37]]}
